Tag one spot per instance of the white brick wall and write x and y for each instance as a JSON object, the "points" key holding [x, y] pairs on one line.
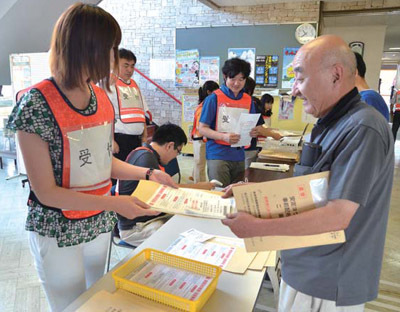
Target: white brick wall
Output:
{"points": [[149, 31]]}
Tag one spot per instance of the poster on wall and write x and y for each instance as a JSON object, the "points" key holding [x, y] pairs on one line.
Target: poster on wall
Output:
{"points": [[267, 71], [189, 103], [308, 118], [27, 69], [187, 68], [286, 107], [247, 54], [209, 69], [163, 69], [396, 81], [287, 68], [20, 71]]}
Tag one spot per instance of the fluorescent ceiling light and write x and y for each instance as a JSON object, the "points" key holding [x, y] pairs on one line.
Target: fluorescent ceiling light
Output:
{"points": [[396, 48]]}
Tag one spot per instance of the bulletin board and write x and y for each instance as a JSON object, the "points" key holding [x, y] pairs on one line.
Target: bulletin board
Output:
{"points": [[215, 41]]}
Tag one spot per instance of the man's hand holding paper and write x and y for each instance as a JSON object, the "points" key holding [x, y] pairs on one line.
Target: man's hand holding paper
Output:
{"points": [[282, 214], [242, 224]]}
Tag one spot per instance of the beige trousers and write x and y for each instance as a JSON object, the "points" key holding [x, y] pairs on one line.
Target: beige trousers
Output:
{"points": [[199, 168]]}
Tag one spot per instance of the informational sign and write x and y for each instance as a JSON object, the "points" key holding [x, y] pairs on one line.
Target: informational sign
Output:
{"points": [[267, 71], [190, 100], [287, 67], [247, 54], [189, 104], [396, 81], [20, 71], [187, 68], [163, 69], [209, 69], [286, 107], [308, 118], [26, 70]]}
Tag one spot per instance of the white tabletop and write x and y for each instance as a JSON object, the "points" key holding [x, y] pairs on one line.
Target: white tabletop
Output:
{"points": [[235, 292]]}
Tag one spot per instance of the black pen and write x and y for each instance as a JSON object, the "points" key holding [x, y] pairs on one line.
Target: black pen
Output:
{"points": [[271, 165]]}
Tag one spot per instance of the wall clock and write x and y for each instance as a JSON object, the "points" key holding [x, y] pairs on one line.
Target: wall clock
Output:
{"points": [[305, 33]]}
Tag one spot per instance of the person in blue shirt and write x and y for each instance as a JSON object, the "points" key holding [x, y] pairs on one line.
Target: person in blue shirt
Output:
{"points": [[369, 96], [218, 120]]}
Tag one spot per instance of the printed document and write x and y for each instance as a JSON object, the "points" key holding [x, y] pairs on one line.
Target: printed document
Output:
{"points": [[284, 198], [226, 252], [210, 253], [199, 203], [172, 280], [244, 126]]}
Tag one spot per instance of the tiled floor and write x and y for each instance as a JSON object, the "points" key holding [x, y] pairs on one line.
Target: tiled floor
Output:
{"points": [[20, 289]]}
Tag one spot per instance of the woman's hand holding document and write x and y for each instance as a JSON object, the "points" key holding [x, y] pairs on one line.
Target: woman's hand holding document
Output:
{"points": [[291, 202], [198, 203]]}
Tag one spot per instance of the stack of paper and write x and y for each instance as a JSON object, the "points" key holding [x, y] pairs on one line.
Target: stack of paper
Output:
{"points": [[228, 253], [277, 155], [283, 198], [198, 203], [270, 167], [175, 281]]}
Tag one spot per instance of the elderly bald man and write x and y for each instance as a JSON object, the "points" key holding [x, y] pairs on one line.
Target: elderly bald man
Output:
{"points": [[357, 148]]}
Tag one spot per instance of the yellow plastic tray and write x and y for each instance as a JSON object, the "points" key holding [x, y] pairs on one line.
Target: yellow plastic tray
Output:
{"points": [[160, 296]]}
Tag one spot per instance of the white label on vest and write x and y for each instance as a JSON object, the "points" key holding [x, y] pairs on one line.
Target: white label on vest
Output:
{"points": [[129, 97], [228, 118], [90, 157]]}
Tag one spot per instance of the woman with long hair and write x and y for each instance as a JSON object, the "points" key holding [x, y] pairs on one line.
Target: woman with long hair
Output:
{"points": [[64, 126]]}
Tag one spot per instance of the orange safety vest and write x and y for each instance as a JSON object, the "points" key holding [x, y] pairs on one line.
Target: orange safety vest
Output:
{"points": [[195, 134], [130, 103], [397, 103], [130, 155], [228, 112], [86, 144]]}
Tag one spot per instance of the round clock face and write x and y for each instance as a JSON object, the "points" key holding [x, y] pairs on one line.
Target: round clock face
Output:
{"points": [[305, 33]]}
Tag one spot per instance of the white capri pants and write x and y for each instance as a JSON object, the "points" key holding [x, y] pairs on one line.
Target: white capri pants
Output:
{"points": [[65, 273], [291, 300]]}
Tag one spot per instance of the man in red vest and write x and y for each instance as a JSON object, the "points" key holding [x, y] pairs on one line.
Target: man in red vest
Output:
{"points": [[129, 107]]}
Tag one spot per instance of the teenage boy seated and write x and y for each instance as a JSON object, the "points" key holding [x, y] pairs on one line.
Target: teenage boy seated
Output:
{"points": [[167, 144]]}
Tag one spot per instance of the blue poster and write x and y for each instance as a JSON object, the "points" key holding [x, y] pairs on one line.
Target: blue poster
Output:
{"points": [[187, 68]]}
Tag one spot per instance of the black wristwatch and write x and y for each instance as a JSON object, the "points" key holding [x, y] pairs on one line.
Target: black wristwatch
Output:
{"points": [[149, 172]]}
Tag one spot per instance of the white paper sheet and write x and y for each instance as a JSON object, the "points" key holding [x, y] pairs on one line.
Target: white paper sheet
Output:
{"points": [[172, 280], [191, 202], [244, 126], [196, 235], [207, 252]]}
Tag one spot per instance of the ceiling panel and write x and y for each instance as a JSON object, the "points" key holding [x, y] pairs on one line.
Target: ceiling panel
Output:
{"points": [[392, 20], [225, 3]]}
